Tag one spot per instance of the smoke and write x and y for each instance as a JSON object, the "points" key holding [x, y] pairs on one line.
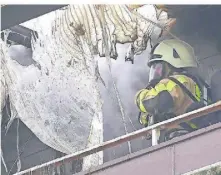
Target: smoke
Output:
{"points": [[129, 79], [21, 54], [132, 77]]}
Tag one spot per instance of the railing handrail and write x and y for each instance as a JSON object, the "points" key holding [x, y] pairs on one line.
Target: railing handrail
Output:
{"points": [[205, 168], [128, 137]]}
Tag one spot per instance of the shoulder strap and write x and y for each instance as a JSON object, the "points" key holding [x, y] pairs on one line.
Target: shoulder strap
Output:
{"points": [[183, 88], [204, 87], [197, 80]]}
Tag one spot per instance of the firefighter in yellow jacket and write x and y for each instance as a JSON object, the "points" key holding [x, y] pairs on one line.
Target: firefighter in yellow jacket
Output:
{"points": [[171, 90]]}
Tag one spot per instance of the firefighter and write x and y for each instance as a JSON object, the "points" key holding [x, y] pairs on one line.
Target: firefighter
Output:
{"points": [[172, 90]]}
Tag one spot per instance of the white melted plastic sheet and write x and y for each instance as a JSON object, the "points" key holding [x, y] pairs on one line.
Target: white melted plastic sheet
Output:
{"points": [[2, 98], [58, 97]]}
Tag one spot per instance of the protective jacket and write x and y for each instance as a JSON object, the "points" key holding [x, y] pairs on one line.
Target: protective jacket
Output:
{"points": [[170, 97]]}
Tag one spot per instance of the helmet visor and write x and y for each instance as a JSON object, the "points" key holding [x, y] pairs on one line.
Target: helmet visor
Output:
{"points": [[157, 71]]}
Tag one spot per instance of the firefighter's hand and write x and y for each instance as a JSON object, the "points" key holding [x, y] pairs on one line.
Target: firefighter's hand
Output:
{"points": [[143, 119]]}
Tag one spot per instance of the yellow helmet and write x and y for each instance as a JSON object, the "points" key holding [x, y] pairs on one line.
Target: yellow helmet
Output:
{"points": [[177, 53]]}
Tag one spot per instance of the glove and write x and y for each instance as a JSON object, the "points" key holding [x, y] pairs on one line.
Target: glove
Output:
{"points": [[143, 119]]}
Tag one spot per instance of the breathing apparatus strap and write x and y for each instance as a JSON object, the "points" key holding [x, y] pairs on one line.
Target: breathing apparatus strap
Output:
{"points": [[183, 88], [204, 87], [201, 84]]}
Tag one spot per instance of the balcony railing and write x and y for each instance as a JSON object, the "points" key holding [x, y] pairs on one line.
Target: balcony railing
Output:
{"points": [[128, 137]]}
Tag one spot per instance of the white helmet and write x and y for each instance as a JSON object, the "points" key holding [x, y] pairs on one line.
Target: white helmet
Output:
{"points": [[177, 53]]}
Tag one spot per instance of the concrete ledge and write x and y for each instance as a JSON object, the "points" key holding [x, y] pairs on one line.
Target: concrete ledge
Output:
{"points": [[177, 156], [206, 168]]}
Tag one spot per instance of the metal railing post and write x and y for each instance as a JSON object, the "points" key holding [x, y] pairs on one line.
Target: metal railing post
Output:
{"points": [[154, 137]]}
